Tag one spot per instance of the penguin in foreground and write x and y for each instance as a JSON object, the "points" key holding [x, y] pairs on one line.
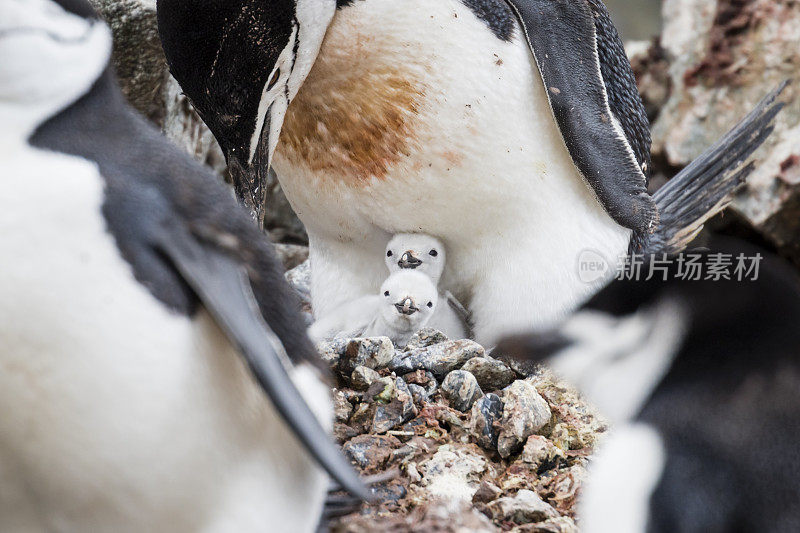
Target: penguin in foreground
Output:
{"points": [[701, 381], [510, 129], [142, 316]]}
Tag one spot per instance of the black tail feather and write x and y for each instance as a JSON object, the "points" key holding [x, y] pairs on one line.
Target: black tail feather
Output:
{"points": [[705, 187]]}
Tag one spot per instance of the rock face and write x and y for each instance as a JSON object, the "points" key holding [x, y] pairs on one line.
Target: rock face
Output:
{"points": [[715, 60]]}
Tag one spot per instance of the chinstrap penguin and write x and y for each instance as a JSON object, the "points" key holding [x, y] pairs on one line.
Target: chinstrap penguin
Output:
{"points": [[701, 380], [143, 316], [511, 129]]}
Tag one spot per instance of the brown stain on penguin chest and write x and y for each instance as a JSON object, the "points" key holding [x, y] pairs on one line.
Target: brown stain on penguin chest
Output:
{"points": [[356, 116]]}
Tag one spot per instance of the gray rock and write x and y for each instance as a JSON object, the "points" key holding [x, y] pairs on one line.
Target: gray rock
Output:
{"points": [[138, 59], [461, 389], [426, 337], [423, 378], [524, 413], [375, 352], [362, 377], [562, 524], [439, 358], [291, 255], [490, 373], [342, 408], [418, 393], [486, 492], [525, 507], [331, 351], [370, 452], [539, 451], [453, 473], [299, 279], [399, 409], [485, 412]]}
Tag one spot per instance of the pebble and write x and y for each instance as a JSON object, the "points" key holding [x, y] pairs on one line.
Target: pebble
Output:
{"points": [[362, 377], [418, 393], [486, 492], [342, 407], [423, 378], [562, 524], [398, 410], [490, 373], [375, 352], [426, 337], [440, 358], [461, 389], [453, 473], [485, 412], [540, 452], [523, 508], [370, 452], [331, 351], [524, 413]]}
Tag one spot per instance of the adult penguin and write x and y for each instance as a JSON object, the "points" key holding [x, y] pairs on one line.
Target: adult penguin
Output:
{"points": [[512, 130], [698, 369], [143, 317]]}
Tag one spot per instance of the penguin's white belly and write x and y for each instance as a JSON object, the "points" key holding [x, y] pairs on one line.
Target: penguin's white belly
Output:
{"points": [[119, 415], [417, 118]]}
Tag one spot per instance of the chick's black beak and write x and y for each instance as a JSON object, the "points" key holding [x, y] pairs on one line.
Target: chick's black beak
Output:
{"points": [[409, 260], [406, 307]]}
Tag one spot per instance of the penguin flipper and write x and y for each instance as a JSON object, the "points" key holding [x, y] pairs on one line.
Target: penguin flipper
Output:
{"points": [[592, 92], [704, 187], [223, 287]]}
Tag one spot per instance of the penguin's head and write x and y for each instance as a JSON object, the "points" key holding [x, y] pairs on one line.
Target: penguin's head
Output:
{"points": [[408, 300], [51, 53], [241, 62], [416, 251]]}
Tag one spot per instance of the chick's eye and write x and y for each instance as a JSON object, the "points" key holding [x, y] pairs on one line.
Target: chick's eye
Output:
{"points": [[430, 304], [386, 294], [433, 253], [389, 253]]}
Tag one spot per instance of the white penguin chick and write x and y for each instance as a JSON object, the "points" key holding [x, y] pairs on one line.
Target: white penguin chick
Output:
{"points": [[408, 301], [416, 251], [426, 254]]}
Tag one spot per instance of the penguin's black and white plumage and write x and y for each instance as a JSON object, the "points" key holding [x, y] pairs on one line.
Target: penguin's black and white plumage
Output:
{"points": [[142, 316], [701, 381], [510, 129]]}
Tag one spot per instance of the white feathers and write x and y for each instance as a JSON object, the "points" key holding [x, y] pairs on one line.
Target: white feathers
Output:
{"points": [[418, 251], [408, 301], [622, 478], [617, 362]]}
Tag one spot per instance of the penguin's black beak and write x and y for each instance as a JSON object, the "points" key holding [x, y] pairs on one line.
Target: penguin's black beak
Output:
{"points": [[406, 307], [409, 260]]}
